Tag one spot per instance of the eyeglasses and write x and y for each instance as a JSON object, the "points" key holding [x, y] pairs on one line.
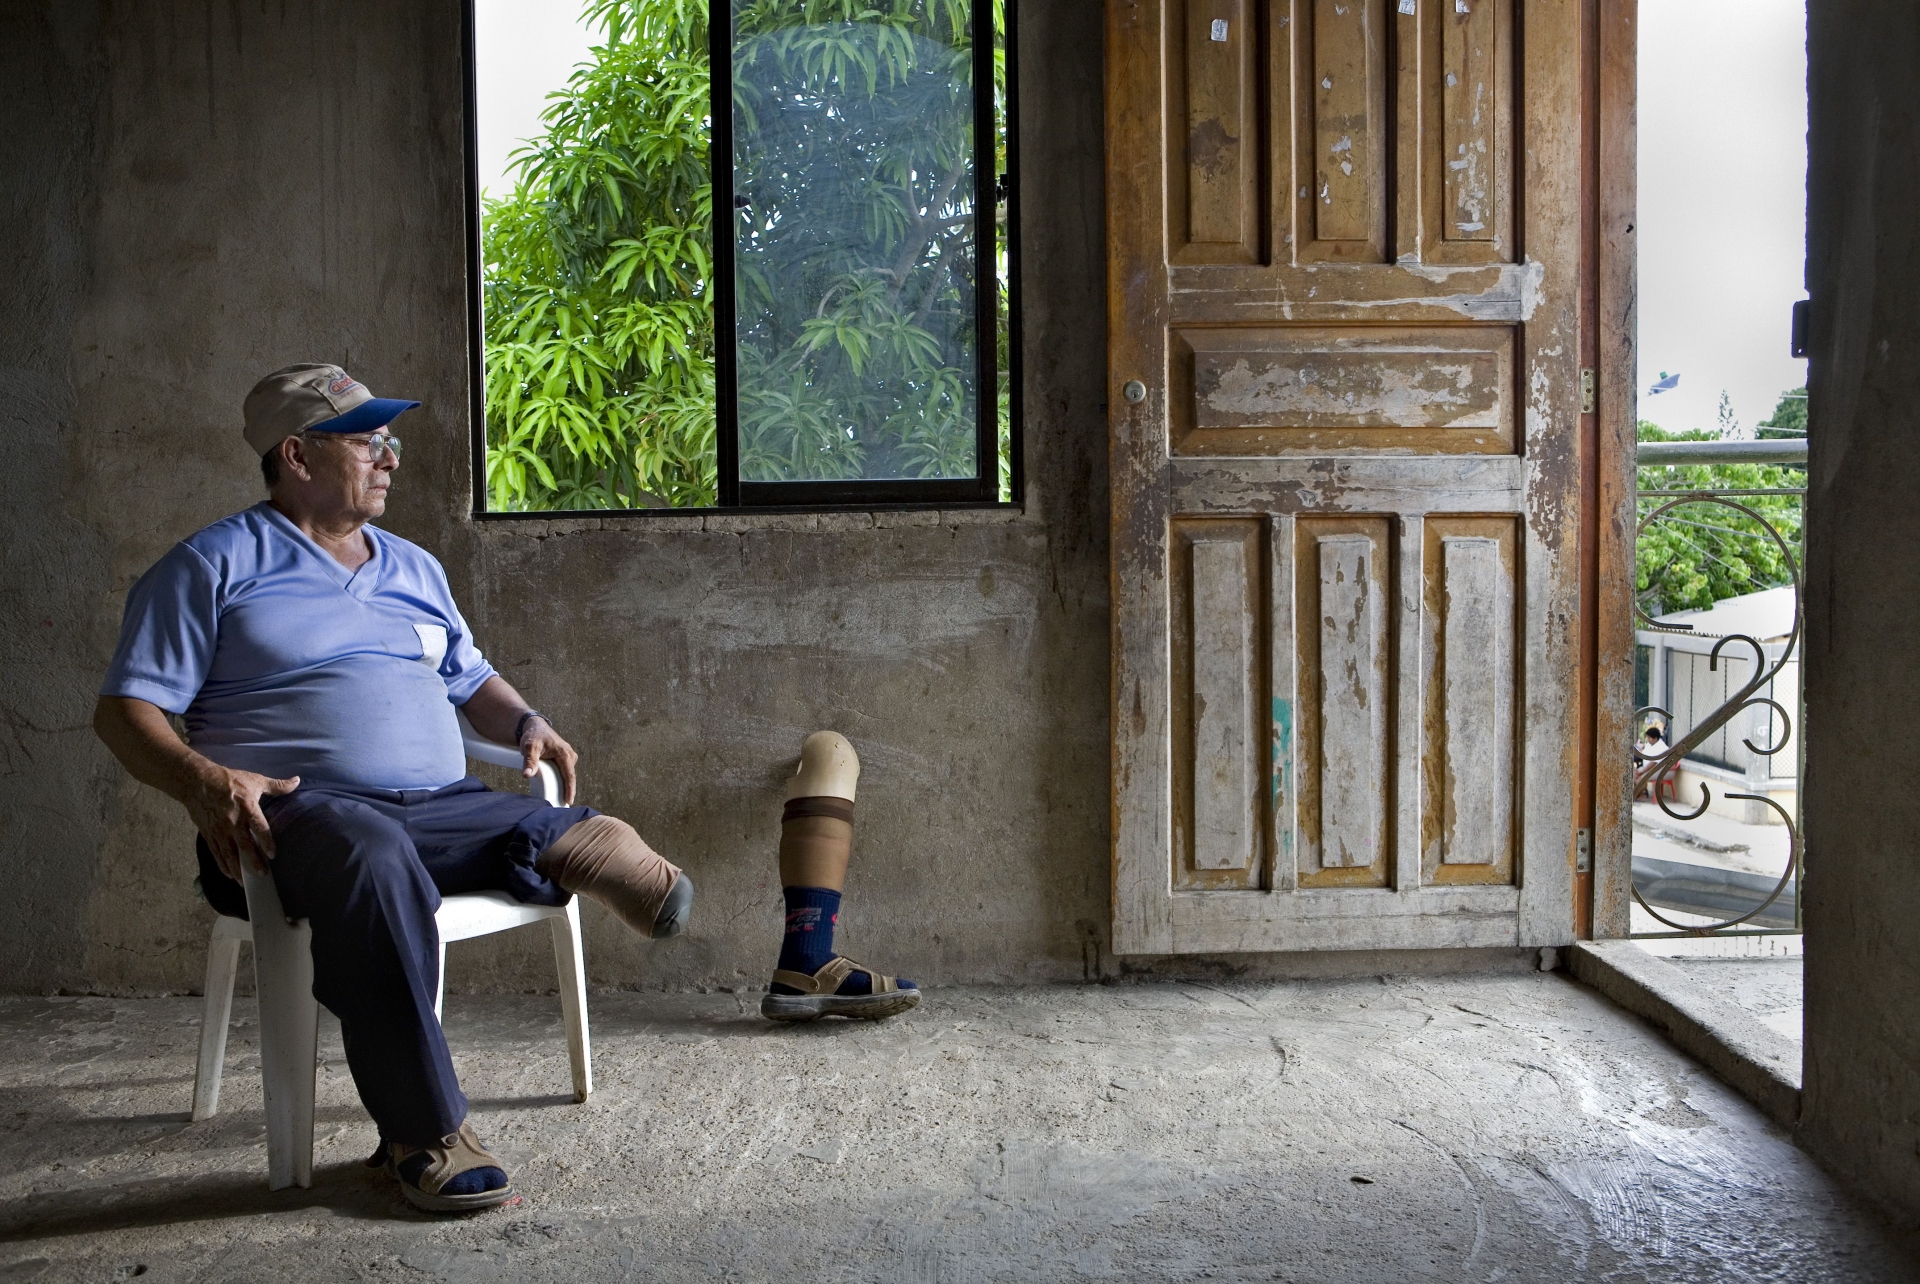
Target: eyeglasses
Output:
{"points": [[371, 447]]}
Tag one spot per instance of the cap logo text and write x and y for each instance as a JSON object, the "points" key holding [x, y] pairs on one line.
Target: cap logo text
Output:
{"points": [[340, 385]]}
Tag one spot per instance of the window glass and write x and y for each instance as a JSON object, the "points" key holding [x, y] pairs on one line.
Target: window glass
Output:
{"points": [[842, 339], [596, 258], [857, 300]]}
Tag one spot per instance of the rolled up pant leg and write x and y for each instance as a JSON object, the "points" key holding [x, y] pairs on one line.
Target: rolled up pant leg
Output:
{"points": [[354, 875]]}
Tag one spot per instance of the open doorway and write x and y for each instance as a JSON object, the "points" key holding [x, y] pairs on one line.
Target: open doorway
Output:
{"points": [[1717, 850]]}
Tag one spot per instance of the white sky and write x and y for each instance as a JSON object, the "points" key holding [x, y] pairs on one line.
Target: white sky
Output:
{"points": [[526, 49], [1722, 220]]}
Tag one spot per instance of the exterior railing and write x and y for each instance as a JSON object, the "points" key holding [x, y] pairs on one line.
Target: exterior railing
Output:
{"points": [[1653, 770]]}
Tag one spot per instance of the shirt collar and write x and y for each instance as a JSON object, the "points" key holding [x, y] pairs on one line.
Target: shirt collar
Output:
{"points": [[359, 583]]}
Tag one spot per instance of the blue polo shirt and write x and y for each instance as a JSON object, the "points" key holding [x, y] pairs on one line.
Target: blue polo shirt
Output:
{"points": [[285, 662]]}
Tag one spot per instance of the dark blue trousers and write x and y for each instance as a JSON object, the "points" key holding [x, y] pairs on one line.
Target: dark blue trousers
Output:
{"points": [[366, 869]]}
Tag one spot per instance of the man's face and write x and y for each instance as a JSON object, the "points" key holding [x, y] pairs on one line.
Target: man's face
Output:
{"points": [[347, 477]]}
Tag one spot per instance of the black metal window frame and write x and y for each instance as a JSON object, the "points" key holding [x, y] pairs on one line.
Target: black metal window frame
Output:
{"points": [[990, 188]]}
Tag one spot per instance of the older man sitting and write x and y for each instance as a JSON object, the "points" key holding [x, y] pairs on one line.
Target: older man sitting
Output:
{"points": [[317, 661]]}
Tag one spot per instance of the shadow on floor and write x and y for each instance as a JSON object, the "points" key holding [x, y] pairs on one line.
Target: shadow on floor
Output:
{"points": [[545, 1102], [347, 1190]]}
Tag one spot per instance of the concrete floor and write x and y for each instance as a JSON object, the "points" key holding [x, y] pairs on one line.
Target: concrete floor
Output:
{"points": [[1483, 1128]]}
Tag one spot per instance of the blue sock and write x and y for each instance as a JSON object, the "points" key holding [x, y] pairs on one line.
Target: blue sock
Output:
{"points": [[808, 945], [812, 913]]}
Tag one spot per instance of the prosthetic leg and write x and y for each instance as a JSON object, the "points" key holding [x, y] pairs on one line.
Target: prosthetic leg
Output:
{"points": [[816, 841]]}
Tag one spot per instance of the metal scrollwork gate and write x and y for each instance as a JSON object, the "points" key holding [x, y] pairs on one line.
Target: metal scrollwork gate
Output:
{"points": [[1651, 770]]}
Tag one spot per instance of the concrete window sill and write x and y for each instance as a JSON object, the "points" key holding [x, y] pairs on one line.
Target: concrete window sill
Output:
{"points": [[740, 522]]}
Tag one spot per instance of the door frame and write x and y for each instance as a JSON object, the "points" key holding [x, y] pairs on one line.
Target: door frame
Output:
{"points": [[1603, 897]]}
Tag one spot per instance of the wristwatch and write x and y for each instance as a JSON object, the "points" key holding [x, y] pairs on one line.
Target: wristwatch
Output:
{"points": [[520, 727]]}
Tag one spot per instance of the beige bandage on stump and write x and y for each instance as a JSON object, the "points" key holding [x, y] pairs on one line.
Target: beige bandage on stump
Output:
{"points": [[816, 829], [604, 858]]}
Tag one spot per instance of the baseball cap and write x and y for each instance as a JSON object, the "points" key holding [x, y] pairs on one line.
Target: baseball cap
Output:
{"points": [[313, 398]]}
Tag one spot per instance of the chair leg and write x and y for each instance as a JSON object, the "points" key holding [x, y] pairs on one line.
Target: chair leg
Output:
{"points": [[223, 961], [289, 1033], [440, 986], [569, 958]]}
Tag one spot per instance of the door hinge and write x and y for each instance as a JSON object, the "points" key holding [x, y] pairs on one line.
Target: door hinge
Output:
{"points": [[1589, 392], [1583, 852]]}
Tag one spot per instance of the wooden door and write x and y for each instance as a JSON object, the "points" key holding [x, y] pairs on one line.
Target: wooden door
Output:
{"points": [[1345, 359]]}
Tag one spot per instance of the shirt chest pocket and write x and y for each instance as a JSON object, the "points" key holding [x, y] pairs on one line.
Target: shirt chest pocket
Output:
{"points": [[433, 644]]}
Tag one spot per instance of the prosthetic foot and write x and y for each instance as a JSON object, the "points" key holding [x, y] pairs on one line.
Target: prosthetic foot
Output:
{"points": [[816, 842]]}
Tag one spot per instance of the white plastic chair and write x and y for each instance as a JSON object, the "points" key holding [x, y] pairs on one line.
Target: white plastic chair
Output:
{"points": [[290, 1015]]}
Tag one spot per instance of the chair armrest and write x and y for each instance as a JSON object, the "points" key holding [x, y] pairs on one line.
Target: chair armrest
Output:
{"points": [[488, 751], [545, 785]]}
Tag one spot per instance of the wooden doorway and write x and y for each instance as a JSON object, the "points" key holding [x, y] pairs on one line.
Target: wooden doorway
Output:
{"points": [[1358, 476]]}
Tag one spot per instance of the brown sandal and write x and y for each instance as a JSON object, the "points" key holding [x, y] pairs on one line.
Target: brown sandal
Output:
{"points": [[819, 994], [457, 1152]]}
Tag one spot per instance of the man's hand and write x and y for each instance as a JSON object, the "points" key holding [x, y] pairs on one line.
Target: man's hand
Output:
{"points": [[541, 743], [498, 713], [225, 806]]}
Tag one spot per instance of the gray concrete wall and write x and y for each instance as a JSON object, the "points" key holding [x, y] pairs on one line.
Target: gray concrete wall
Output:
{"points": [[55, 571], [1861, 1110], [210, 192]]}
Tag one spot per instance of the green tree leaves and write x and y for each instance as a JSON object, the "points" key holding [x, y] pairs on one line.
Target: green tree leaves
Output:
{"points": [[599, 324], [855, 281], [1699, 554], [1789, 418], [855, 236]]}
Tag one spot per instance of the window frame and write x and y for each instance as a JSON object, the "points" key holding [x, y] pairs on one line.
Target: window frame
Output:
{"points": [[737, 497]]}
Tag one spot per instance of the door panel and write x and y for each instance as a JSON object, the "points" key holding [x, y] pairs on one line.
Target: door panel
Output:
{"points": [[1341, 701], [1340, 102], [1323, 390], [1469, 170], [1471, 672], [1218, 678], [1345, 515], [1213, 90]]}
